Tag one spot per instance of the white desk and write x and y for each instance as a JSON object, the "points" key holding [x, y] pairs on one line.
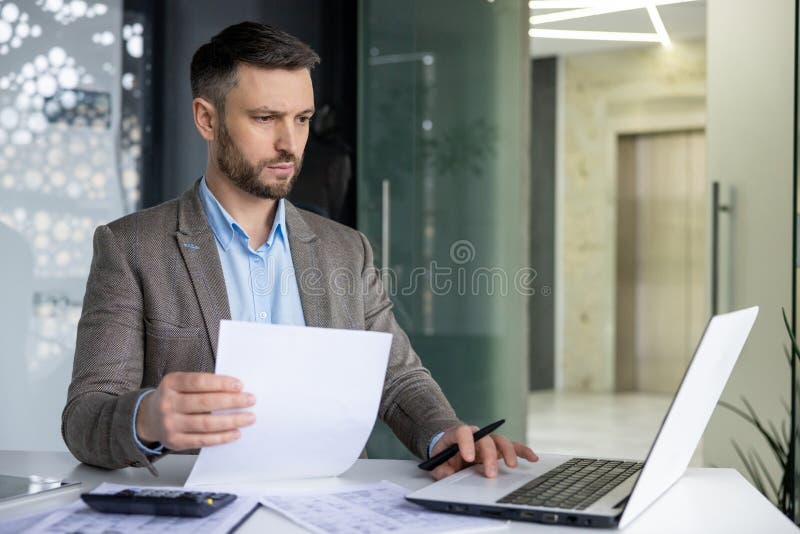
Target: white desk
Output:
{"points": [[703, 501]]}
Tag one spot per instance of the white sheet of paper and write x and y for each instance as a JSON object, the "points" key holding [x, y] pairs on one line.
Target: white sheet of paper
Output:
{"points": [[370, 509], [78, 517], [317, 394]]}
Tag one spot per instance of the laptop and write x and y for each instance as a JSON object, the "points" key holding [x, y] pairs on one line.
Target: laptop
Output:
{"points": [[596, 492]]}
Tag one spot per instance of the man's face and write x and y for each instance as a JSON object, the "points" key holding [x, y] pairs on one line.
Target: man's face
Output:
{"points": [[262, 135]]}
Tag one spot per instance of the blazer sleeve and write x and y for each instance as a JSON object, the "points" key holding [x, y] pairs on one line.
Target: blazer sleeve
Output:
{"points": [[97, 421], [413, 405]]}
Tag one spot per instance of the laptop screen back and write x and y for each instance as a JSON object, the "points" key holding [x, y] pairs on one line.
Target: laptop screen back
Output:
{"points": [[691, 408]]}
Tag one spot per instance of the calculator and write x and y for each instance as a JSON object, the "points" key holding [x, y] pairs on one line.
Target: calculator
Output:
{"points": [[159, 502]]}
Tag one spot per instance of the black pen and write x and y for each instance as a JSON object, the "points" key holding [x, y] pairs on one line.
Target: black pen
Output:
{"points": [[432, 463]]}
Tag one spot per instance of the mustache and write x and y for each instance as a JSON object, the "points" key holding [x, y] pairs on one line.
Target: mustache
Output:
{"points": [[283, 158]]}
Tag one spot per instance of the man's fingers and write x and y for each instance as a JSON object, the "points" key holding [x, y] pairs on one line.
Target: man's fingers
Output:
{"points": [[505, 449], [466, 444], [209, 402], [451, 466], [525, 452], [212, 423], [182, 442], [487, 453], [443, 471], [202, 382]]}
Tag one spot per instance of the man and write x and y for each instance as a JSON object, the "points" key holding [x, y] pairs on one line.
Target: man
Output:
{"points": [[231, 247]]}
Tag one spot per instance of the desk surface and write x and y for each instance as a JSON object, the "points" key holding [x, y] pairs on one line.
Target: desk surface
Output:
{"points": [[703, 501]]}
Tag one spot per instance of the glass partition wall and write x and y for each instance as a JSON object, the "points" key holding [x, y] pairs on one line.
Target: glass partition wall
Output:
{"points": [[442, 193], [74, 130]]}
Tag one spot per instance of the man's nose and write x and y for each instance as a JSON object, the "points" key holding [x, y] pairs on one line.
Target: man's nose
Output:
{"points": [[286, 139]]}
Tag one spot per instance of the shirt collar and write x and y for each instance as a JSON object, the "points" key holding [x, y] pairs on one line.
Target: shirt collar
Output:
{"points": [[225, 227]]}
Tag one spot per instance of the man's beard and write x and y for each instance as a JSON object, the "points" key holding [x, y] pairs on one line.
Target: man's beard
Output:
{"points": [[232, 162]]}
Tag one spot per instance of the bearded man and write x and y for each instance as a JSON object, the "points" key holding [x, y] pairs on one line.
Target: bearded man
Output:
{"points": [[232, 247]]}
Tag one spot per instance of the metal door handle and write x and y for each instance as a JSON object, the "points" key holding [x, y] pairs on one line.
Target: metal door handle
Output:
{"points": [[385, 213], [716, 208]]}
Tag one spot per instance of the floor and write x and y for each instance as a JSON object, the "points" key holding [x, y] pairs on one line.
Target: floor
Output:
{"points": [[618, 425]]}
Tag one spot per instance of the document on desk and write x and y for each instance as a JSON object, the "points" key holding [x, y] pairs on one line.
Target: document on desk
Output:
{"points": [[370, 509], [317, 394], [78, 517]]}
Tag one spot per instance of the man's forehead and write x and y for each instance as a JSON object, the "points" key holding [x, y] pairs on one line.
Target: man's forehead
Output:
{"points": [[275, 89]]}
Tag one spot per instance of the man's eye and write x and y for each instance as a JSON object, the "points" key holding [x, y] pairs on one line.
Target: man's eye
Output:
{"points": [[265, 118], [304, 120]]}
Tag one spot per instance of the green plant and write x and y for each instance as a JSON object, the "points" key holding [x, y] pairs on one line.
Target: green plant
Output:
{"points": [[778, 440]]}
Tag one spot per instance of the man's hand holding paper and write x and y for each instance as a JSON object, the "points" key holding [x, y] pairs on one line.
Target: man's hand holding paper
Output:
{"points": [[176, 415], [318, 391]]}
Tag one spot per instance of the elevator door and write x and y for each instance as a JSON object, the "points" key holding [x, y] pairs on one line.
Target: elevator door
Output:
{"points": [[662, 257]]}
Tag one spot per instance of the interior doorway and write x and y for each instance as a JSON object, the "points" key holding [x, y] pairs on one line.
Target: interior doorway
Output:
{"points": [[662, 213]]}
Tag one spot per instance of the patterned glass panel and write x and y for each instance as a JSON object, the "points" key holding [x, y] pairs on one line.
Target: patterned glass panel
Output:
{"points": [[70, 160]]}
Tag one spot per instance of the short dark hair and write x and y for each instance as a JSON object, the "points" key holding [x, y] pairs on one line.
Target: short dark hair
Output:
{"points": [[213, 70]]}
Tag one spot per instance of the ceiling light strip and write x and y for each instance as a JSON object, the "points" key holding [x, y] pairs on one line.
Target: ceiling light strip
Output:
{"points": [[594, 36], [577, 10], [658, 25], [562, 4], [614, 7]]}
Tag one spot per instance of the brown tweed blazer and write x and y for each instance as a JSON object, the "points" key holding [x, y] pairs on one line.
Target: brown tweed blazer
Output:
{"points": [[155, 297]]}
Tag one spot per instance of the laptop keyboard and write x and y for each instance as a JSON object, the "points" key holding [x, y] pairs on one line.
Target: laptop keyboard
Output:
{"points": [[575, 484]]}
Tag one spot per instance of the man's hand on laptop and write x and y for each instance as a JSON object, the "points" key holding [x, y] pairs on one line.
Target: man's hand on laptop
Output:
{"points": [[486, 451], [177, 414]]}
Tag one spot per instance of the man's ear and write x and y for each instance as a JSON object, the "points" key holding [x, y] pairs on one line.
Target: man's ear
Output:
{"points": [[205, 117]]}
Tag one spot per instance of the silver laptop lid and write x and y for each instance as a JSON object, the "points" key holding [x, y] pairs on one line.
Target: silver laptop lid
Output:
{"points": [[691, 408]]}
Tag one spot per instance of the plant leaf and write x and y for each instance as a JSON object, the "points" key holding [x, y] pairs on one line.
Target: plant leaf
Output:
{"points": [[737, 411], [778, 437], [781, 453], [757, 461], [785, 496], [785, 433], [753, 475], [790, 331]]}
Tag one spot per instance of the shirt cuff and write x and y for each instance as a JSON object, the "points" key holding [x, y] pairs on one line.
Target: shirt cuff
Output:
{"points": [[142, 447], [435, 439]]}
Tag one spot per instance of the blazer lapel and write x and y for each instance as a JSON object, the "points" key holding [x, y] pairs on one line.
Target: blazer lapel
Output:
{"points": [[199, 251], [311, 281]]}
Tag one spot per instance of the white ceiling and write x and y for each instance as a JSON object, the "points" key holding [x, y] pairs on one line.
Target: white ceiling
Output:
{"points": [[683, 22]]}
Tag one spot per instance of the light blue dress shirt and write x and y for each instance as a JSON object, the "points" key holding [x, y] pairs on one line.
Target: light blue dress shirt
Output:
{"points": [[261, 284]]}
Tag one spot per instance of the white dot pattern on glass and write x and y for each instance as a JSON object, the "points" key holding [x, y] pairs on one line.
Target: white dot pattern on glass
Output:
{"points": [[15, 27], [67, 12], [61, 242]]}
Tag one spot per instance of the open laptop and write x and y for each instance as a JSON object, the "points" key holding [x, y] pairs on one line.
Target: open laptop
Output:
{"points": [[605, 492]]}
